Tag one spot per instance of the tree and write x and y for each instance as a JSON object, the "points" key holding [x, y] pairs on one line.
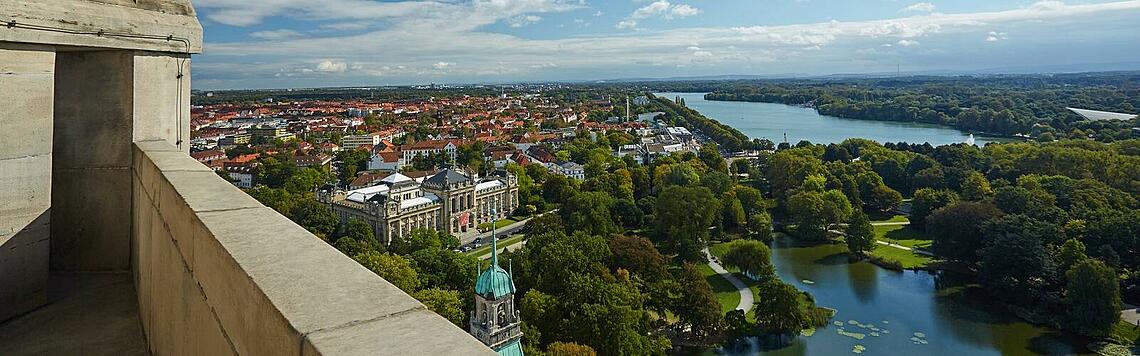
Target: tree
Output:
{"points": [[351, 247], [393, 268], [420, 239], [976, 187], [359, 230], [446, 303], [1018, 268], [1072, 252], [813, 212], [628, 214], [957, 229], [834, 152], [558, 189], [589, 212], [569, 349], [860, 235], [760, 225], [710, 155], [305, 180], [638, 255], [753, 258], [1093, 298], [779, 310], [681, 174], [316, 217], [927, 200], [882, 199], [684, 215], [733, 214], [717, 182], [698, 306]]}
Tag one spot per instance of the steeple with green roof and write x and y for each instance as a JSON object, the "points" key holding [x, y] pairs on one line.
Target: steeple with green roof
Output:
{"points": [[495, 320]]}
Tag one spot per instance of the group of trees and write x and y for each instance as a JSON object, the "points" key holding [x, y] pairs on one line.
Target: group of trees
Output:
{"points": [[1021, 214]]}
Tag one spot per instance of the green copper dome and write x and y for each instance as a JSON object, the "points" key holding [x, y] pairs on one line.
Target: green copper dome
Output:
{"points": [[494, 283]]}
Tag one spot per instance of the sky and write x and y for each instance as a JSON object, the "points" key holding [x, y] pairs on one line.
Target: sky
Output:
{"points": [[321, 43]]}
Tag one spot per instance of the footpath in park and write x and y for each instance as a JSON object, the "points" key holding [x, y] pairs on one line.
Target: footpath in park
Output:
{"points": [[746, 300]]}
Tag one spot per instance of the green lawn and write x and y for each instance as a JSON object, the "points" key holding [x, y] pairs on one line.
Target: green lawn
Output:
{"points": [[486, 249], [902, 235], [1125, 333], [892, 219], [484, 227], [908, 259], [726, 294]]}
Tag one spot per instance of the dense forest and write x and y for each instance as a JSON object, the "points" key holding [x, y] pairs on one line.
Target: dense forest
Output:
{"points": [[1051, 230], [1033, 105]]}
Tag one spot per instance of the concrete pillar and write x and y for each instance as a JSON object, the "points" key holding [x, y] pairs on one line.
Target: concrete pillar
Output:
{"points": [[92, 178], [26, 84], [108, 99]]}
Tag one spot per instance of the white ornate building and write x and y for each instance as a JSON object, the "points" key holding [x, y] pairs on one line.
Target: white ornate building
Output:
{"points": [[452, 200]]}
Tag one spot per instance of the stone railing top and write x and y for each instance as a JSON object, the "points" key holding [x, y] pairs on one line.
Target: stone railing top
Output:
{"points": [[275, 287], [150, 25]]}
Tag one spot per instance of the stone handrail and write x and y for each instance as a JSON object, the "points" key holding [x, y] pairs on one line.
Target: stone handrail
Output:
{"points": [[217, 273]]}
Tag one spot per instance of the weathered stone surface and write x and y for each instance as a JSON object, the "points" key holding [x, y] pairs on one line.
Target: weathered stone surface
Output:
{"points": [[87, 314], [26, 191], [91, 220], [142, 17], [161, 107], [23, 260], [26, 84], [400, 334], [93, 108]]}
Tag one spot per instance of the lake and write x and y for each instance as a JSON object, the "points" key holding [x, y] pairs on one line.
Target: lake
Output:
{"points": [[772, 121], [912, 312]]}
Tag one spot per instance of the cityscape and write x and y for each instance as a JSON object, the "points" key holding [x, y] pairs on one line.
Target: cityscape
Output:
{"points": [[251, 177]]}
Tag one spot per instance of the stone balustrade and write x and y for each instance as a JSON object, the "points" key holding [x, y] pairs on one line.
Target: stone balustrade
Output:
{"points": [[217, 273]]}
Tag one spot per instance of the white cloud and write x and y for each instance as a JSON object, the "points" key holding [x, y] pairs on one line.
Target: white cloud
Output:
{"points": [[275, 35], [331, 66], [626, 24], [907, 43], [599, 13], [660, 8], [919, 7], [346, 26], [995, 36], [442, 65], [523, 20]]}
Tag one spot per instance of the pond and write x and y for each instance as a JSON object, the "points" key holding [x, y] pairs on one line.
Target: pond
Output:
{"points": [[901, 313], [773, 121]]}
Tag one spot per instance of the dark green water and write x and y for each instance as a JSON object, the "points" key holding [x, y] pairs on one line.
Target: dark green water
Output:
{"points": [[941, 306], [772, 121]]}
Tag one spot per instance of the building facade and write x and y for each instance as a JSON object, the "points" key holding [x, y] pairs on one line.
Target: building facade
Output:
{"points": [[452, 200]]}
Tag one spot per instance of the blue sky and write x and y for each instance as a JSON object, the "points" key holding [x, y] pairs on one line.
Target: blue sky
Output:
{"points": [[313, 43]]}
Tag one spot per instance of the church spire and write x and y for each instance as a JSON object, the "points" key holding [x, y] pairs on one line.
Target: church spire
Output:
{"points": [[494, 239]]}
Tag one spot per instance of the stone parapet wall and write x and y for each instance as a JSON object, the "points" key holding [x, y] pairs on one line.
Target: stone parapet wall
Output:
{"points": [[218, 273]]}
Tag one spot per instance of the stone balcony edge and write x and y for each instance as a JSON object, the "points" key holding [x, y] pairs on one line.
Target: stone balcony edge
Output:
{"points": [[273, 287]]}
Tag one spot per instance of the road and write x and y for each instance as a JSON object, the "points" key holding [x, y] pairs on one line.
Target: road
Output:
{"points": [[511, 247], [746, 299]]}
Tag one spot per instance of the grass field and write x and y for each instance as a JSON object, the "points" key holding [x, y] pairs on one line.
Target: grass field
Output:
{"points": [[484, 227], [902, 235], [486, 249], [891, 219], [726, 294], [908, 259]]}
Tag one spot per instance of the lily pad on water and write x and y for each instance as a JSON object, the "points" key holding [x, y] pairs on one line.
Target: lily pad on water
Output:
{"points": [[837, 323], [918, 334], [856, 336], [808, 281], [858, 349], [885, 331], [853, 322], [875, 334], [807, 332]]}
